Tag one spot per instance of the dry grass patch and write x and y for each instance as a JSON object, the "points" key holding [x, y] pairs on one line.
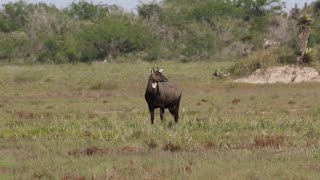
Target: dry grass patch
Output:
{"points": [[269, 141], [104, 85]]}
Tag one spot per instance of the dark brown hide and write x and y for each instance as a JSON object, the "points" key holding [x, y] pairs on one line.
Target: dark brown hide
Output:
{"points": [[162, 94]]}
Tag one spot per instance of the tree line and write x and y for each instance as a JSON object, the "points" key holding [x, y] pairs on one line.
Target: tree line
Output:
{"points": [[184, 30]]}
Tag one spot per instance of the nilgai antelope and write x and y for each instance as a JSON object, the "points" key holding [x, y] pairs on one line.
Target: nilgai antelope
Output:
{"points": [[162, 94]]}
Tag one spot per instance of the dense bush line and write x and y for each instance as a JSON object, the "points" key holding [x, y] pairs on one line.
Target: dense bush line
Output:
{"points": [[185, 30]]}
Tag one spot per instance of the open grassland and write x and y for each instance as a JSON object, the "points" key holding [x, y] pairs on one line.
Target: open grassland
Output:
{"points": [[91, 122]]}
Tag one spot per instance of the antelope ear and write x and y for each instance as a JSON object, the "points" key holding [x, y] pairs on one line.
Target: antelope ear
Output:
{"points": [[160, 70], [151, 71]]}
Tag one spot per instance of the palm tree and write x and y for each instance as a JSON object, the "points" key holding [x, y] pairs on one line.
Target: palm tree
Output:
{"points": [[303, 24]]}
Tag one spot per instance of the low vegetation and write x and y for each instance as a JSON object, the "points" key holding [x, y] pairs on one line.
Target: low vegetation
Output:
{"points": [[91, 122], [262, 59]]}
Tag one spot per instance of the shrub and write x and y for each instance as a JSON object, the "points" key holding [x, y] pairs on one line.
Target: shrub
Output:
{"points": [[153, 54], [309, 55], [113, 35], [12, 44]]}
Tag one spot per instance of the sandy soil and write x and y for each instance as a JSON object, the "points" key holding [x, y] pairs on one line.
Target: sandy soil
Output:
{"points": [[282, 74]]}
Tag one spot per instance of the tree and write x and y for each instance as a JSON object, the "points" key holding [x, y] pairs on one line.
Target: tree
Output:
{"points": [[303, 24], [85, 11], [316, 8], [14, 16], [149, 10]]}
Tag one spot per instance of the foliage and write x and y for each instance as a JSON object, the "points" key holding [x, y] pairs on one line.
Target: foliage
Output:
{"points": [[149, 10], [308, 55], [314, 39], [182, 30], [83, 32], [13, 16], [206, 29], [304, 22], [316, 8], [112, 36], [84, 10], [12, 44]]}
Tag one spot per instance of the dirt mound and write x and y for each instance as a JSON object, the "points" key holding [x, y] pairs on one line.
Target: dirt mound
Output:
{"points": [[283, 74]]}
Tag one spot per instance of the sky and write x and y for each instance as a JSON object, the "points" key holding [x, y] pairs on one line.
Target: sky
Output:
{"points": [[130, 5]]}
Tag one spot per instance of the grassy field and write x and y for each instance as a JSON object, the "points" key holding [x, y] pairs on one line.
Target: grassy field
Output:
{"points": [[91, 122]]}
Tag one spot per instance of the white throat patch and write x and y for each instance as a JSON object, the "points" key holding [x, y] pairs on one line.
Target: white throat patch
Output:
{"points": [[154, 85]]}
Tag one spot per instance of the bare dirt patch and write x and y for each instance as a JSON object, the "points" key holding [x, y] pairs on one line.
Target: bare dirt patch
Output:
{"points": [[282, 74], [235, 101], [5, 170], [171, 147], [25, 114], [90, 151], [152, 144], [209, 145], [70, 177]]}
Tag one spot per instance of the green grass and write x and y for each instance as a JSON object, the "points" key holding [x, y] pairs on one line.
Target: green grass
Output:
{"points": [[91, 121]]}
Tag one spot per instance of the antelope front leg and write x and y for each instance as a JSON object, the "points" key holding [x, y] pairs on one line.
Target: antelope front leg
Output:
{"points": [[176, 112], [161, 113], [151, 110]]}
